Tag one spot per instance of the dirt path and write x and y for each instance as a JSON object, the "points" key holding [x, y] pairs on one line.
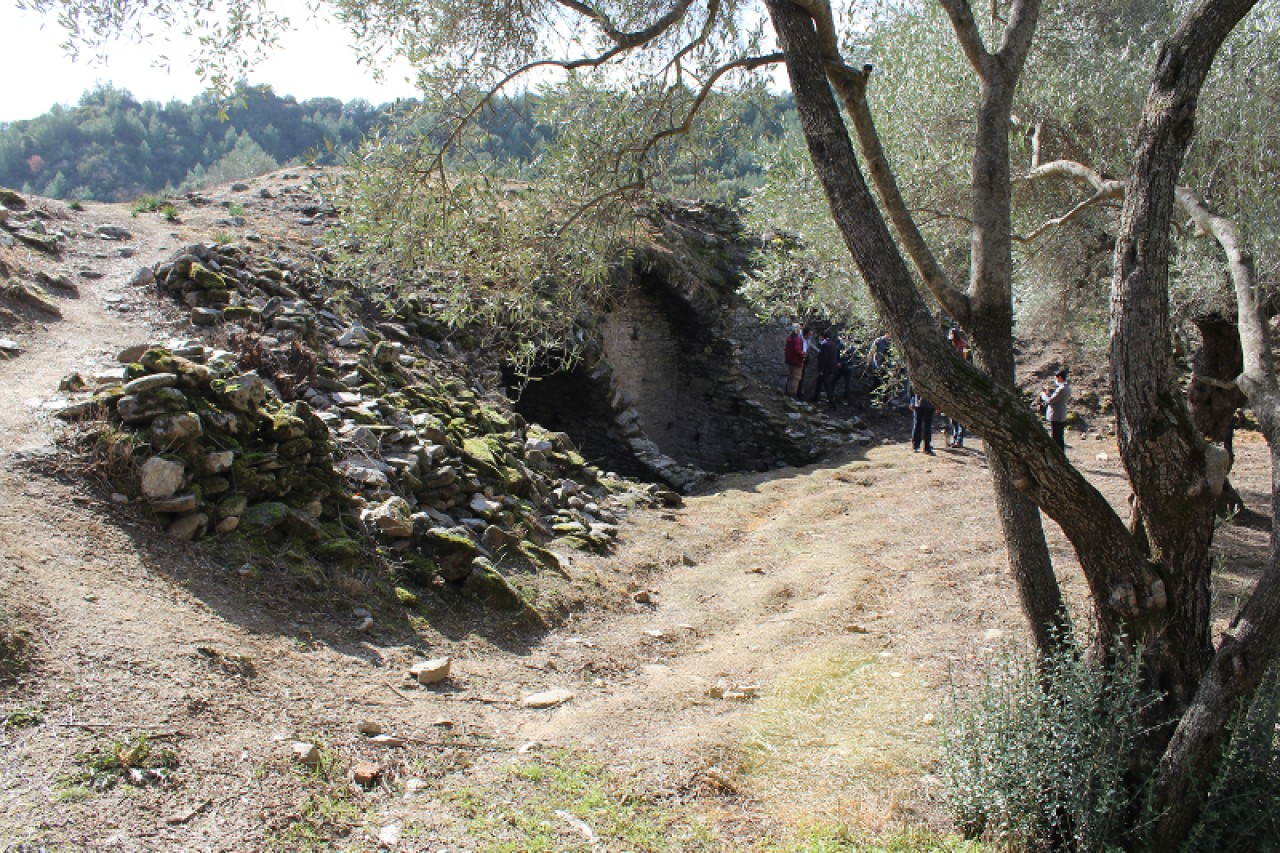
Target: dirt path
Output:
{"points": [[788, 665]]}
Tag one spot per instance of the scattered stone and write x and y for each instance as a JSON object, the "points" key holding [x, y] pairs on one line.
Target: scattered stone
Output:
{"points": [[389, 835], [305, 753], [642, 597], [365, 773], [388, 741], [432, 671], [217, 462], [113, 232], [72, 382], [393, 517], [189, 526], [131, 354], [9, 346], [176, 504], [369, 727], [414, 785], [547, 699]]}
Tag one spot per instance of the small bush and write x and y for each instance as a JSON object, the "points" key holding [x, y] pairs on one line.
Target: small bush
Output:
{"points": [[286, 368], [148, 204], [1037, 758], [1242, 811]]}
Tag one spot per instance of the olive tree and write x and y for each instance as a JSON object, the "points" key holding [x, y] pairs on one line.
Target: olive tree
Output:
{"points": [[661, 62]]}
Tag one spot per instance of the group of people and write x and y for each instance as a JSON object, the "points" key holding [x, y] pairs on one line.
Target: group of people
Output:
{"points": [[831, 356], [827, 352]]}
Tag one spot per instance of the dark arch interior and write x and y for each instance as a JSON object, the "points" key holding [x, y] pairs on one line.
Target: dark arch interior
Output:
{"points": [[570, 401]]}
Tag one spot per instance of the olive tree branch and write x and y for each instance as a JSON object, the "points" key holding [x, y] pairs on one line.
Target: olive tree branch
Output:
{"points": [[851, 86], [626, 40], [747, 63], [967, 34]]}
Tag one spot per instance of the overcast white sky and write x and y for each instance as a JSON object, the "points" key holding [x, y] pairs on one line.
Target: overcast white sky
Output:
{"points": [[315, 60]]}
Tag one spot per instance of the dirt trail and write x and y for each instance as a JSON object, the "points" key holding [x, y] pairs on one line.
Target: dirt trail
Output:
{"points": [[836, 597]]}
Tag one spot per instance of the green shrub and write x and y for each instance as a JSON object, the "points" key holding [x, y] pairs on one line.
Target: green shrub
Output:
{"points": [[147, 204], [1036, 758], [1242, 811]]}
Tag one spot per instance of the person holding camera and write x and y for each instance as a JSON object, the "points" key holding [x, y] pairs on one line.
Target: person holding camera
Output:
{"points": [[1056, 398]]}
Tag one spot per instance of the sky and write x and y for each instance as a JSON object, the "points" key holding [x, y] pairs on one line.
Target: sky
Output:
{"points": [[314, 60]]}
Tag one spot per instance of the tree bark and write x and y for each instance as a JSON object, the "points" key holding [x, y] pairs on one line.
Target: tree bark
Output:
{"points": [[1164, 455], [1162, 451], [1213, 395]]}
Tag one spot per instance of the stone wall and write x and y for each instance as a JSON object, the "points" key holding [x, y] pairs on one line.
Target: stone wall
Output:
{"points": [[760, 345], [660, 371]]}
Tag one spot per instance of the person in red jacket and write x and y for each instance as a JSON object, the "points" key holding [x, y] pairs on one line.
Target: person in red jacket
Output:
{"points": [[794, 354]]}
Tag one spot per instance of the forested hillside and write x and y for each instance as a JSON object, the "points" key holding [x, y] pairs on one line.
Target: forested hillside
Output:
{"points": [[111, 147]]}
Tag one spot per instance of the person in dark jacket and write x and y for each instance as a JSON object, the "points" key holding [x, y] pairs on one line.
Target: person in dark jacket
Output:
{"points": [[828, 368], [921, 423]]}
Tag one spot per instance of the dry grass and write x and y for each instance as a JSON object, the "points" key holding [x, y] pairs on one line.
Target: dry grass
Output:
{"points": [[844, 737]]}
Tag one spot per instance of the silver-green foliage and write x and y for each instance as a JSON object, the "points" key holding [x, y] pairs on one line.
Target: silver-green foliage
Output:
{"points": [[1036, 757], [523, 250], [1242, 811]]}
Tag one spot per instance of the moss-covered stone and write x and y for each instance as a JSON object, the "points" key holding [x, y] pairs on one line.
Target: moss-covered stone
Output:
{"points": [[207, 278], [234, 505], [486, 585], [242, 314], [340, 552], [405, 597], [264, 516], [540, 557], [284, 425], [296, 448], [215, 485], [492, 420], [451, 541], [480, 450], [419, 568]]}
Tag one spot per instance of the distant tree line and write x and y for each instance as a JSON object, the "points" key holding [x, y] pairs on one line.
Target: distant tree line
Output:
{"points": [[112, 147]]}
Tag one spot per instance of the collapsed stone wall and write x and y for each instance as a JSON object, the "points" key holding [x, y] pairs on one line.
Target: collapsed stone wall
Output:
{"points": [[292, 422]]}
